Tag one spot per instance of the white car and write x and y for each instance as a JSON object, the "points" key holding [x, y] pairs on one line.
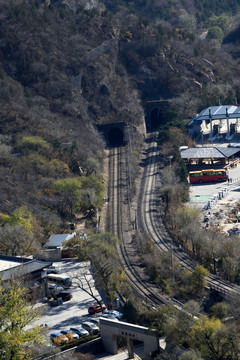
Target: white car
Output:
{"points": [[112, 314], [79, 330]]}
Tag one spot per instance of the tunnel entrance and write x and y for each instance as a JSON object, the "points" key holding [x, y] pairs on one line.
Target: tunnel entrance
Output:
{"points": [[113, 133], [155, 119], [154, 111], [115, 137]]}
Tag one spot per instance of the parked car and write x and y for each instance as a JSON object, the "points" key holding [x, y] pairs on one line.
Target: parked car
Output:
{"points": [[111, 314], [69, 333], [56, 337], [96, 309], [52, 270], [79, 330], [53, 286], [65, 295], [94, 321], [90, 327]]}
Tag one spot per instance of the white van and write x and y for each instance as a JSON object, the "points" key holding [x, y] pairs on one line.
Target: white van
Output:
{"points": [[62, 280]]}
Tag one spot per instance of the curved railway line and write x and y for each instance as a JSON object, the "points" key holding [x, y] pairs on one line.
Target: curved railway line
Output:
{"points": [[117, 185], [150, 223]]}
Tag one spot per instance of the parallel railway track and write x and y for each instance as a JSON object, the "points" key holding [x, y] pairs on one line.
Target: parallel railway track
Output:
{"points": [[117, 190], [150, 224]]}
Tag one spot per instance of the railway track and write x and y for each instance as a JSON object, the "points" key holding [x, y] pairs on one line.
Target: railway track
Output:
{"points": [[152, 223], [117, 192]]}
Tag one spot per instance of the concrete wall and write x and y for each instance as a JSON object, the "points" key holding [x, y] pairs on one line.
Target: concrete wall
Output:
{"points": [[111, 330], [50, 255]]}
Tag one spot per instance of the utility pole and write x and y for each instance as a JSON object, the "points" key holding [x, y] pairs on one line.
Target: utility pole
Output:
{"points": [[129, 173], [172, 260]]}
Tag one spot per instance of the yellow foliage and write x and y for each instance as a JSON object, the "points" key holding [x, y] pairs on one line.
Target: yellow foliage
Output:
{"points": [[57, 341], [48, 192], [204, 329], [122, 275], [3, 218], [70, 336]]}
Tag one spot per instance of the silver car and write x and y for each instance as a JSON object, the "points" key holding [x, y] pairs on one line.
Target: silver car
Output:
{"points": [[79, 330], [90, 327]]}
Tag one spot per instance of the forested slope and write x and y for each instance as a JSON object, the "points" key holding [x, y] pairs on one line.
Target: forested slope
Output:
{"points": [[69, 65]]}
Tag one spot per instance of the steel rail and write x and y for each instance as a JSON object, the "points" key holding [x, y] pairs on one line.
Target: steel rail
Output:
{"points": [[118, 183]]}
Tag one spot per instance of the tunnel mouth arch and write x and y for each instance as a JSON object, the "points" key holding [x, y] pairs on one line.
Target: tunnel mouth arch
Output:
{"points": [[115, 137], [155, 119]]}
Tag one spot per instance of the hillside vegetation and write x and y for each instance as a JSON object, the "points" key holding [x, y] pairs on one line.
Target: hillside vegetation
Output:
{"points": [[67, 66]]}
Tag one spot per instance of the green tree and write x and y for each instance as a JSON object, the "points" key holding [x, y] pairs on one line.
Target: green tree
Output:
{"points": [[33, 143], [158, 318], [58, 168], [33, 164], [101, 250], [22, 217], [214, 340], [219, 310], [15, 315], [198, 279], [177, 328], [187, 225], [223, 22], [92, 192], [215, 32], [69, 191], [130, 312], [105, 263]]}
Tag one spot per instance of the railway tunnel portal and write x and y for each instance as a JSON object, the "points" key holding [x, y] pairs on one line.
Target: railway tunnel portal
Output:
{"points": [[153, 113], [114, 133]]}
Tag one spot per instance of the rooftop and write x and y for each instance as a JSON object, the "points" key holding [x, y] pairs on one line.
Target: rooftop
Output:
{"points": [[209, 152], [11, 265], [217, 113], [57, 240]]}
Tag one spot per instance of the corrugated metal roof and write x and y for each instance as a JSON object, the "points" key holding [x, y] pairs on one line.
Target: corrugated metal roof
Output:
{"points": [[24, 268], [228, 151], [217, 113], [208, 153], [57, 240]]}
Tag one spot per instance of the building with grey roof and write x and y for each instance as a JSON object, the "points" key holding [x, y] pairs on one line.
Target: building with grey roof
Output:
{"points": [[53, 248], [30, 270], [209, 156], [57, 240]]}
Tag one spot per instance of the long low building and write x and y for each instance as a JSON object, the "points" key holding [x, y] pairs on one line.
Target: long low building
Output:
{"points": [[210, 156], [30, 270]]}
